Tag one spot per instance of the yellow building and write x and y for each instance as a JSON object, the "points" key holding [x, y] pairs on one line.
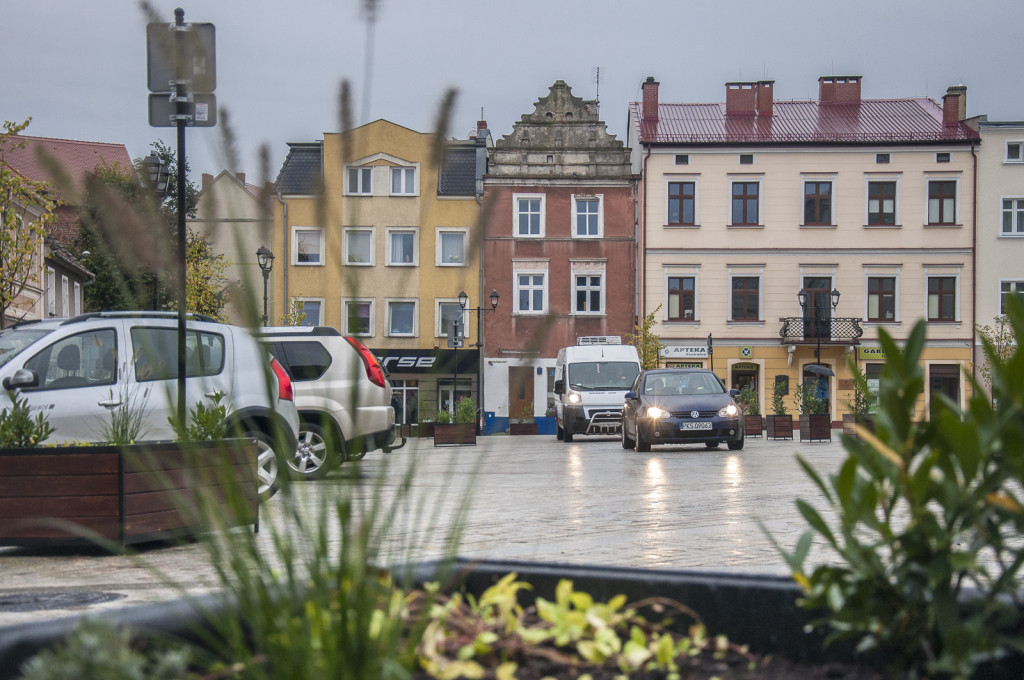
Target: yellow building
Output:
{"points": [[779, 237], [377, 239]]}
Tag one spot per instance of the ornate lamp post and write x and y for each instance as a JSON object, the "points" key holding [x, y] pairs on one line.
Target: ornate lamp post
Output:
{"points": [[463, 301], [265, 258]]}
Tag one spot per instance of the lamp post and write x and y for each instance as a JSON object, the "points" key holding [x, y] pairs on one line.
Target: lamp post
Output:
{"points": [[265, 258], [158, 175], [803, 296], [463, 301]]}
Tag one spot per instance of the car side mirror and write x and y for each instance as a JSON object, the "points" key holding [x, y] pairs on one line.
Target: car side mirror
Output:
{"points": [[21, 378], [559, 387], [630, 395], [734, 393]]}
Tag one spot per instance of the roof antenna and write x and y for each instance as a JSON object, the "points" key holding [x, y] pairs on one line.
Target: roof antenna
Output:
{"points": [[597, 87]]}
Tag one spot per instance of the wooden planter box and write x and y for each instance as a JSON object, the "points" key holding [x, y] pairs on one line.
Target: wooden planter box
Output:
{"points": [[815, 427], [753, 425], [522, 428], [850, 419], [129, 494], [779, 427], [450, 434]]}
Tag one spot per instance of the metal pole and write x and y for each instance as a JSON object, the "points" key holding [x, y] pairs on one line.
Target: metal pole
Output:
{"points": [[182, 110], [266, 275]]}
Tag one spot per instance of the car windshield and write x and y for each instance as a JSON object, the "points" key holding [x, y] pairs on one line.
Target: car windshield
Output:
{"points": [[664, 384], [602, 375], [13, 340]]}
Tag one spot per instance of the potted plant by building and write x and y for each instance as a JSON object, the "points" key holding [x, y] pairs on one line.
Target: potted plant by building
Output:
{"points": [[815, 422], [523, 421], [860, 406], [458, 427], [753, 422], [779, 423]]}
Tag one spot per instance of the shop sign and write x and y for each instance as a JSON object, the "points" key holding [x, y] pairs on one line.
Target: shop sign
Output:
{"points": [[746, 352], [872, 353], [745, 367], [427, 360], [685, 352], [687, 364]]}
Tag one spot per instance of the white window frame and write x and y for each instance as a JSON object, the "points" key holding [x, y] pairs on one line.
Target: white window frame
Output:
{"points": [[51, 292], [928, 179], [65, 300], [439, 330], [78, 297], [588, 268], [600, 215], [345, 233], [392, 231], [404, 169], [759, 180], [319, 321], [811, 177], [1020, 151], [515, 214], [1019, 231], [388, 303], [937, 272], [530, 269], [345, 302], [319, 233], [1019, 289], [871, 272], [365, 177], [695, 180], [681, 270], [439, 253], [744, 272], [882, 177]]}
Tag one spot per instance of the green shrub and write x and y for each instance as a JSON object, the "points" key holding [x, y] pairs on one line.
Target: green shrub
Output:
{"points": [[779, 398], [927, 525], [808, 400], [19, 429], [748, 401], [465, 410]]}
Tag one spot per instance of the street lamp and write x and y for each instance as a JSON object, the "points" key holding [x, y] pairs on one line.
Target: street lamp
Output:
{"points": [[157, 173], [265, 258], [463, 301], [803, 296]]}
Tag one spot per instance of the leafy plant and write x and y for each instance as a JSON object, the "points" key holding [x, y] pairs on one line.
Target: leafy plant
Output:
{"points": [[525, 414], [465, 410], [444, 416], [808, 398], [927, 525], [1003, 340], [206, 423], [862, 397], [127, 418], [748, 401], [779, 398], [648, 344], [19, 429]]}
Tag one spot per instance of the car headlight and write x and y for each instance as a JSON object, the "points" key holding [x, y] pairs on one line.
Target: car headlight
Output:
{"points": [[574, 398], [729, 411], [655, 412]]}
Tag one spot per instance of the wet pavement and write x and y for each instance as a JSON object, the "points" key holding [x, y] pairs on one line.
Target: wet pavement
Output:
{"points": [[529, 498]]}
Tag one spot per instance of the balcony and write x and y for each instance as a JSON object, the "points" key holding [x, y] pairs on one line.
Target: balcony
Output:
{"points": [[835, 330]]}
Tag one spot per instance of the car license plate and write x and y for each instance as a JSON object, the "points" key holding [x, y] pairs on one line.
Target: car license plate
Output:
{"points": [[703, 425]]}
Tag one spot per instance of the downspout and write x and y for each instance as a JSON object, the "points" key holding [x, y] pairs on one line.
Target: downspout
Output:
{"points": [[974, 263], [641, 245], [287, 259]]}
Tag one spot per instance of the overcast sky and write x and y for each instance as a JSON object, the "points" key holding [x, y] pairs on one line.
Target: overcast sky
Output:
{"points": [[78, 67]]}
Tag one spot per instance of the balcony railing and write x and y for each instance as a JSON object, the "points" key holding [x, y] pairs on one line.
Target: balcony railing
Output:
{"points": [[837, 329]]}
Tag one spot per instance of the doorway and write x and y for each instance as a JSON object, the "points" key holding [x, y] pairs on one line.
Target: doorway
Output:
{"points": [[943, 379], [520, 389], [818, 313]]}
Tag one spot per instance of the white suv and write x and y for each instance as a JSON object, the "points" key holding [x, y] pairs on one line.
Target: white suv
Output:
{"points": [[342, 394], [77, 371]]}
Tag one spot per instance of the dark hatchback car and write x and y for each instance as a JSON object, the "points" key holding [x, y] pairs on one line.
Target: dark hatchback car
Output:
{"points": [[681, 406]]}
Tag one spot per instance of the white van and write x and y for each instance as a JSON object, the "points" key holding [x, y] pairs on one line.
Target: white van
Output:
{"points": [[591, 381]]}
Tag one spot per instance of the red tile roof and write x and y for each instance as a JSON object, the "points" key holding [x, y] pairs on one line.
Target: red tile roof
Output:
{"points": [[75, 157], [869, 121]]}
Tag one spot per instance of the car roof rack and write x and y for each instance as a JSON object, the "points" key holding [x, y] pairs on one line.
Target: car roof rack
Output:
{"points": [[137, 314]]}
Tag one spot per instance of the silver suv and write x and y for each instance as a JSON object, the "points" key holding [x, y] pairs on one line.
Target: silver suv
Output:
{"points": [[79, 371], [342, 394]]}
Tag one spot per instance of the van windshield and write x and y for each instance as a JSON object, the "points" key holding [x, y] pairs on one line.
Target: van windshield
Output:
{"points": [[603, 375]]}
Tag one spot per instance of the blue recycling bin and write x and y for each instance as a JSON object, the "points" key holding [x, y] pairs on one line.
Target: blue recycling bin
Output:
{"points": [[489, 424]]}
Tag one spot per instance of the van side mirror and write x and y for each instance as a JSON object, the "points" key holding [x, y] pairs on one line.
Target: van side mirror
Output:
{"points": [[559, 387]]}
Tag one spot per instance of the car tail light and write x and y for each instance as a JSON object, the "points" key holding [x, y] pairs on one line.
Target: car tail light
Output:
{"points": [[284, 381], [374, 371]]}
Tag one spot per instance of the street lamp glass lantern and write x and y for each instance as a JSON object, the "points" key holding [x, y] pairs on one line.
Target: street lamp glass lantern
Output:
{"points": [[265, 258], [835, 298], [802, 297], [157, 173], [463, 299], [494, 299]]}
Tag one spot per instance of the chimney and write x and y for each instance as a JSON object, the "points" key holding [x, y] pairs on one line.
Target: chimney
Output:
{"points": [[481, 125], [207, 178], [764, 97], [839, 89], [650, 103], [240, 176], [740, 99], [960, 93]]}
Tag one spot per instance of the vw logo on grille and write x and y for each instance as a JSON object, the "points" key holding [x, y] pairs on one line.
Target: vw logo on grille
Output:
{"points": [[695, 414]]}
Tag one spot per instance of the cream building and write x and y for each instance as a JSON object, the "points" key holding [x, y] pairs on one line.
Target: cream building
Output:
{"points": [[756, 216]]}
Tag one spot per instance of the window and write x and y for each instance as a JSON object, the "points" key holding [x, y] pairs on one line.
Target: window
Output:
{"points": [[586, 216], [1015, 152], [156, 353], [51, 292], [308, 245], [682, 159], [530, 292], [358, 317], [681, 298], [529, 217], [451, 248], [402, 317], [360, 181], [881, 298], [942, 157], [82, 360], [746, 159], [65, 301], [312, 308], [682, 204], [1013, 217], [746, 298], [1006, 289], [942, 298], [358, 246], [588, 293], [403, 181], [881, 158], [745, 197], [78, 298], [882, 203], [447, 314], [402, 247], [818, 203], [942, 202]]}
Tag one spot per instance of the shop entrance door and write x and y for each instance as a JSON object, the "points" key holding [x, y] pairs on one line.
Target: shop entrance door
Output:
{"points": [[520, 389], [943, 379]]}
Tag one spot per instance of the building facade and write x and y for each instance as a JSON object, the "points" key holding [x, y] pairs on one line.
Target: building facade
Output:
{"points": [[559, 247], [376, 234], [779, 237]]}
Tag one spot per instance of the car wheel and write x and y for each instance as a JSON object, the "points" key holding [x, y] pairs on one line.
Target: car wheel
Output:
{"points": [[712, 445], [736, 444], [559, 434], [627, 442], [267, 481], [642, 445], [312, 457]]}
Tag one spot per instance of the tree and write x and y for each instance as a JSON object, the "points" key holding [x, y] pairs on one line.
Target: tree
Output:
{"points": [[25, 213], [1002, 340], [648, 345], [205, 286]]}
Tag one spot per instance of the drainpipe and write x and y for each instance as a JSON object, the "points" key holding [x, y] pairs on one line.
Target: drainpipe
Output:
{"points": [[287, 259], [974, 262], [641, 245]]}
